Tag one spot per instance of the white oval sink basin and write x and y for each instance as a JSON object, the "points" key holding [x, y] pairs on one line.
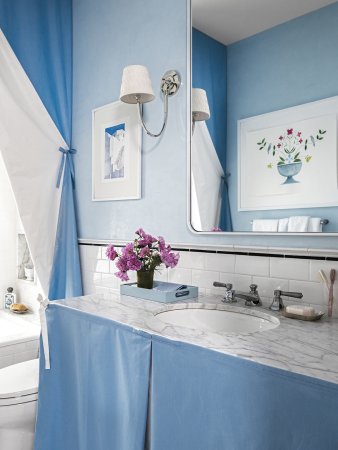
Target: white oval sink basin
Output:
{"points": [[218, 320]]}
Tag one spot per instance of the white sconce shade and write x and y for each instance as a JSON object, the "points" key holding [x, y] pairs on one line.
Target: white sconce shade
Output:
{"points": [[136, 89], [199, 105], [136, 85]]}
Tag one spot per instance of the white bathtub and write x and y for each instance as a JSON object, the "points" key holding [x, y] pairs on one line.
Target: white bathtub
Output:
{"points": [[19, 338]]}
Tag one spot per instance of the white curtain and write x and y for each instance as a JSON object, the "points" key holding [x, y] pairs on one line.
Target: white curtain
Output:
{"points": [[206, 181], [29, 141]]}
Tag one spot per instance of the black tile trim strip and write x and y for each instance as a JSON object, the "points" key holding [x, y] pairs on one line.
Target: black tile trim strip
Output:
{"points": [[233, 252]]}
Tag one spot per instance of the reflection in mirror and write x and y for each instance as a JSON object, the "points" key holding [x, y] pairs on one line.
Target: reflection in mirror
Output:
{"points": [[264, 106]]}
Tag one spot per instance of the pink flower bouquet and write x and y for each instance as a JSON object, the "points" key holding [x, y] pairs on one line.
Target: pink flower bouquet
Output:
{"points": [[145, 254]]}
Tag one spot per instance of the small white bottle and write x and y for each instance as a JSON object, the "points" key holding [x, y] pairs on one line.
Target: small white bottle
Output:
{"points": [[9, 298]]}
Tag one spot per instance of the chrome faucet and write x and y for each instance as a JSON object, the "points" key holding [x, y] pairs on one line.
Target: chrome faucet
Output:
{"points": [[251, 298], [277, 302]]}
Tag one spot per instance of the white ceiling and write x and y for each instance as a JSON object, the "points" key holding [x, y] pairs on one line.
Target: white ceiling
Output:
{"points": [[230, 21]]}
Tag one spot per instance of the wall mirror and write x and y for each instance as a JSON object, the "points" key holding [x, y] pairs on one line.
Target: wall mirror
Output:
{"points": [[264, 108]]}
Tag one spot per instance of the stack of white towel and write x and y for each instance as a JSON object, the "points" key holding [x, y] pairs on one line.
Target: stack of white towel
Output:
{"points": [[294, 224]]}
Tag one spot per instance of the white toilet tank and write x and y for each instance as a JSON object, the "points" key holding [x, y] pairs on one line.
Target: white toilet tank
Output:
{"points": [[18, 400]]}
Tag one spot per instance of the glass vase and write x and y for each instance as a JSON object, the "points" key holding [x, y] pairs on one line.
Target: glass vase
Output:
{"points": [[145, 279]]}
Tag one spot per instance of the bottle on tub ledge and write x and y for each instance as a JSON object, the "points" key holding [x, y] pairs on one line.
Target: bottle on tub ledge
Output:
{"points": [[9, 298]]}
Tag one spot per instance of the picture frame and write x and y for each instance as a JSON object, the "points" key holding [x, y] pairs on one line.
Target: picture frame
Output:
{"points": [[293, 154], [116, 152]]}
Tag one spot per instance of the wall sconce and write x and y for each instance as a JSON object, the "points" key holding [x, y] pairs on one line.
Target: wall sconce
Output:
{"points": [[136, 88], [199, 106]]}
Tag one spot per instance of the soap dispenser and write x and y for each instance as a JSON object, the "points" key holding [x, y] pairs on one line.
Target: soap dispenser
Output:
{"points": [[9, 298]]}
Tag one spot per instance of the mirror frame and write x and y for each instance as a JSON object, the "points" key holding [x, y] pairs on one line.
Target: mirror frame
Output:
{"points": [[189, 141]]}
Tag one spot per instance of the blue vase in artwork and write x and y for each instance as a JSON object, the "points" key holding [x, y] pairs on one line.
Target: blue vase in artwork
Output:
{"points": [[289, 171]]}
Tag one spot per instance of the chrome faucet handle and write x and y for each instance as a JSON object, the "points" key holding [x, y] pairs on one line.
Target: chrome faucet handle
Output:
{"points": [[253, 288], [277, 302], [256, 300], [229, 293], [288, 294], [225, 285]]}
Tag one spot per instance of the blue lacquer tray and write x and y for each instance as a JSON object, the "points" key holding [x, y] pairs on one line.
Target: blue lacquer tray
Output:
{"points": [[162, 296]]}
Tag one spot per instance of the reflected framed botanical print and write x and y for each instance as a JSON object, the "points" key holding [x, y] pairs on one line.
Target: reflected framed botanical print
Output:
{"points": [[116, 153], [288, 159]]}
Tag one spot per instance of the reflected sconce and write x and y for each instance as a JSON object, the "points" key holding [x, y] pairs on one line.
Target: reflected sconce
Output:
{"points": [[199, 106], [136, 88]]}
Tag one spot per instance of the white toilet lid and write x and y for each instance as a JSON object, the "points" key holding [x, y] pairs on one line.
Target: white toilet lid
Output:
{"points": [[19, 379]]}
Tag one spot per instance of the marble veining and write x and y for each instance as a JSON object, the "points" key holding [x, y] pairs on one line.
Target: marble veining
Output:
{"points": [[308, 348]]}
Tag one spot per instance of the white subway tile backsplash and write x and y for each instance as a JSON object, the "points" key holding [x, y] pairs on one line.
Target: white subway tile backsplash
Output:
{"points": [[251, 248], [204, 278], [192, 260], [97, 277], [88, 264], [181, 276], [132, 277], [220, 262], [323, 252], [83, 252], [203, 268], [266, 286], [289, 268], [108, 281], [161, 275], [102, 266], [289, 251], [103, 253], [87, 285], [326, 266], [239, 282], [252, 265], [312, 292], [92, 252], [112, 267]]}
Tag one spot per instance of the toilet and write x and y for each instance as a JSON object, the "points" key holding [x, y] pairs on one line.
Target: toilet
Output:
{"points": [[18, 401]]}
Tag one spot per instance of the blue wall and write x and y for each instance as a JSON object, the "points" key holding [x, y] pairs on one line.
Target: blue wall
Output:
{"points": [[291, 64], [107, 36], [209, 72]]}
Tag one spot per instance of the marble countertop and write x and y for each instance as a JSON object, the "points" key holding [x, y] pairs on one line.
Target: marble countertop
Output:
{"points": [[308, 348]]}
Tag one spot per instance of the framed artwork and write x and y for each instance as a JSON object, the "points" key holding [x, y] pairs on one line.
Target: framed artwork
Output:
{"points": [[288, 159], [116, 152]]}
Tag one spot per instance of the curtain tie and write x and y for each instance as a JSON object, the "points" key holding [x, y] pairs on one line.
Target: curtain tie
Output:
{"points": [[65, 154], [44, 331]]}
